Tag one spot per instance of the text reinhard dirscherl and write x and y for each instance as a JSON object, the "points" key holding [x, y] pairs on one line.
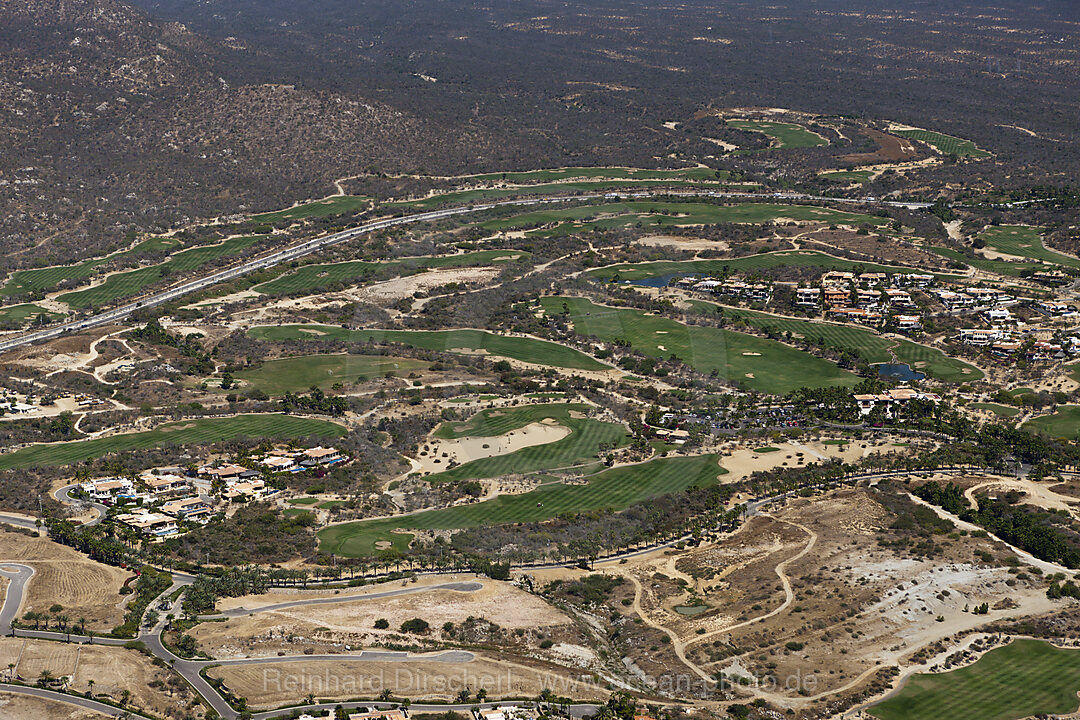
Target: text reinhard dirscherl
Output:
{"points": [[412, 682]]}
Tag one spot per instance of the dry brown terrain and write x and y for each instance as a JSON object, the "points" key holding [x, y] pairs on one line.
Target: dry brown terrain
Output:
{"points": [[813, 599], [272, 684], [890, 149], [21, 707], [351, 623], [112, 669], [86, 589]]}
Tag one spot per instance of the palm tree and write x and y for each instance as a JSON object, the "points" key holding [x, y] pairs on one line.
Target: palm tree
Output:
{"points": [[90, 689], [45, 678]]}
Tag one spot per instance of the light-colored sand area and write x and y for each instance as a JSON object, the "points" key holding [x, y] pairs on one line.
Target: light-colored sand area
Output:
{"points": [[266, 684], [86, 589], [280, 595], [408, 286], [743, 460], [1034, 494], [466, 449], [113, 669], [22, 707], [352, 622], [685, 243]]}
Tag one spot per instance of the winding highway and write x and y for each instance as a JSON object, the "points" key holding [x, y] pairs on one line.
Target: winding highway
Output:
{"points": [[307, 247]]}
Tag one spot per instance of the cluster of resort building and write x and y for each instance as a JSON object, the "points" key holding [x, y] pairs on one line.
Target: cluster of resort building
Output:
{"points": [[163, 498]]}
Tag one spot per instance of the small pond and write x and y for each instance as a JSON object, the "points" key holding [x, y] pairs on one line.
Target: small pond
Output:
{"points": [[899, 371]]}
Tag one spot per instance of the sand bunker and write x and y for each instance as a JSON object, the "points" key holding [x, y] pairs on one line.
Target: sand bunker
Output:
{"points": [[466, 449]]}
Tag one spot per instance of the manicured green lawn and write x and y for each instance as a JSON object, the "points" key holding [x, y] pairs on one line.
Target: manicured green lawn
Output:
{"points": [[296, 374], [130, 283], [999, 410], [787, 135], [764, 450], [749, 263], [615, 489], [309, 277], [1023, 679], [525, 349], [581, 447], [19, 315], [47, 278], [1063, 423], [946, 144], [304, 501], [873, 348], [757, 363], [656, 214], [319, 208], [181, 432], [599, 173], [848, 176], [1024, 241]]}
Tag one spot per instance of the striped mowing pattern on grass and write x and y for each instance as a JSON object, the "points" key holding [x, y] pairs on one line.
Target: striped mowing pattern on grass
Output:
{"points": [[540, 352], [613, 489], [946, 144], [582, 445], [308, 277], [183, 432], [1026, 678], [870, 346], [749, 263], [130, 283], [23, 281], [757, 363], [670, 213]]}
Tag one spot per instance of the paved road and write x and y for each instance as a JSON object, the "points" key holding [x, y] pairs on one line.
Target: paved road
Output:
{"points": [[76, 700], [18, 575], [307, 247], [452, 657], [28, 523], [471, 586], [63, 495]]}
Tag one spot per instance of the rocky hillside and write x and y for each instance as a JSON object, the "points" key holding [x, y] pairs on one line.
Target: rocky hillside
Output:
{"points": [[117, 122]]}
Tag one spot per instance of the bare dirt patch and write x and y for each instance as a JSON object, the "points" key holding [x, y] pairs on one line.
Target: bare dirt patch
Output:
{"points": [[84, 588], [112, 669], [21, 707], [891, 148], [352, 622], [409, 286], [420, 679]]}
